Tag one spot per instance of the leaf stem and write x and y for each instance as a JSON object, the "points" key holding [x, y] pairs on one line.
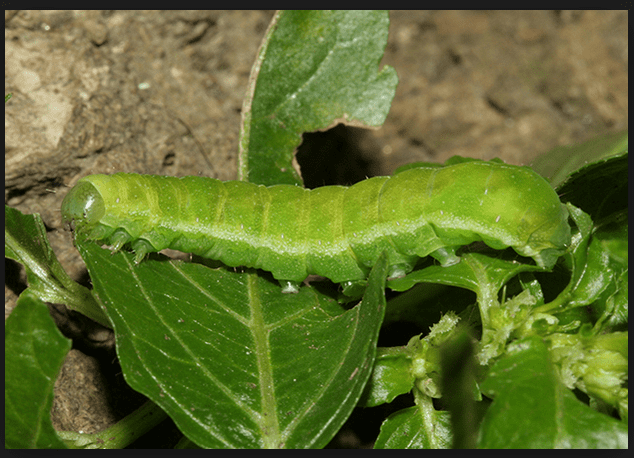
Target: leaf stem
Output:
{"points": [[121, 434]]}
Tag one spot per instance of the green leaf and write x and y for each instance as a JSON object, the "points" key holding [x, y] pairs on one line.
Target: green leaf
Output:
{"points": [[599, 189], [232, 360], [532, 408], [468, 274], [598, 259], [596, 276], [314, 69], [418, 427], [397, 370], [391, 376], [25, 241], [559, 163], [611, 310], [34, 351]]}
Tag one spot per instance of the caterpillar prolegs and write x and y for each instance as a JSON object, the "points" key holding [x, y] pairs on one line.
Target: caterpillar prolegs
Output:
{"points": [[334, 231]]}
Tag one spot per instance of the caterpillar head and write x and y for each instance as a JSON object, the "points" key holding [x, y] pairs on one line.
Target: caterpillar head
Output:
{"points": [[83, 206]]}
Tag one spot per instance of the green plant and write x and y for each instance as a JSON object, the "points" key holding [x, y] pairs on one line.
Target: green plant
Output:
{"points": [[266, 369]]}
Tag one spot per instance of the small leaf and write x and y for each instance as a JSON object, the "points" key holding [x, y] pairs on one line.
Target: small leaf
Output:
{"points": [[559, 163], [34, 352], [25, 241], [599, 188], [468, 274], [391, 377], [418, 427]]}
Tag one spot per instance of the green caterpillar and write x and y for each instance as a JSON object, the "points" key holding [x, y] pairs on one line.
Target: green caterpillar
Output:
{"points": [[335, 231]]}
